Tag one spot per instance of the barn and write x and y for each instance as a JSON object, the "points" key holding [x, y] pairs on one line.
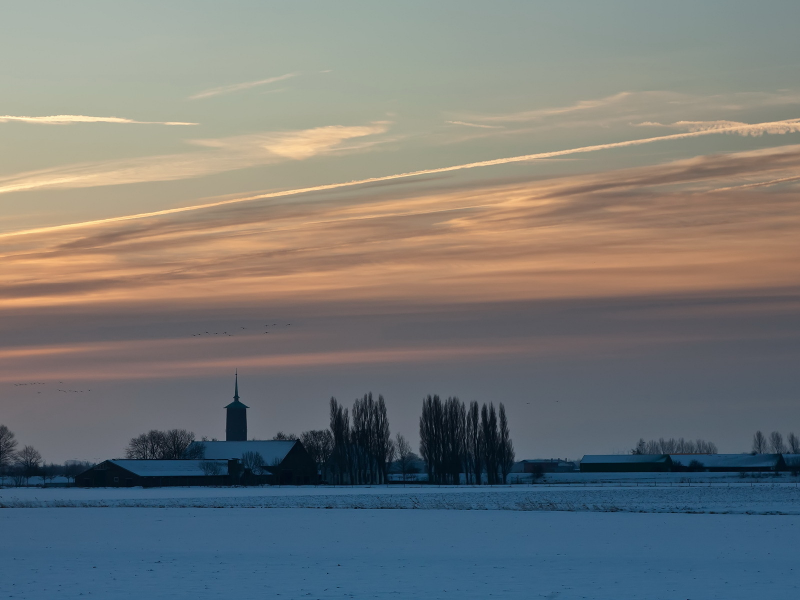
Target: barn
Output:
{"points": [[733, 463], [549, 465], [791, 462], [157, 473], [285, 462], [625, 463]]}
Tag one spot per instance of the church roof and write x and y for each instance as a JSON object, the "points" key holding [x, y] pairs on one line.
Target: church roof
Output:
{"points": [[272, 451], [237, 404]]}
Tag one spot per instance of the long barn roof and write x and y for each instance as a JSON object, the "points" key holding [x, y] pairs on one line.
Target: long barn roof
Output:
{"points": [[624, 458], [792, 460], [733, 461], [166, 468]]}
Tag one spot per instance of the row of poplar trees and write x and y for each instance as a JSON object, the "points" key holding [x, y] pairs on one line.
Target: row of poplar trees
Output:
{"points": [[362, 449], [454, 439], [457, 439]]}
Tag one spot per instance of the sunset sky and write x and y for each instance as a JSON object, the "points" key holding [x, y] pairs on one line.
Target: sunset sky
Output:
{"points": [[586, 211]]}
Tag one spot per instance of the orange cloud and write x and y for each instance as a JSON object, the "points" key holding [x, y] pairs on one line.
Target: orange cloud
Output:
{"points": [[216, 156], [649, 230]]}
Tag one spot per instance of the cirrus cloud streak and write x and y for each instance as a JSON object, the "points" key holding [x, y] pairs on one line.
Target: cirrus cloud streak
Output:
{"points": [[72, 119], [59, 180]]}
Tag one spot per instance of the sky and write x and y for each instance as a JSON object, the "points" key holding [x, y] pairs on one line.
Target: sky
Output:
{"points": [[586, 211]]}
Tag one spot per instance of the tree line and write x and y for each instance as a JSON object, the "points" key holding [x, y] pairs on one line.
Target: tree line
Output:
{"points": [[357, 448], [27, 463], [172, 444], [455, 439], [775, 443], [674, 446]]}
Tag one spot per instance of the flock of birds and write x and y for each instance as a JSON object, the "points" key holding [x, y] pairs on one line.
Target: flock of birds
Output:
{"points": [[228, 334], [202, 334], [57, 389]]}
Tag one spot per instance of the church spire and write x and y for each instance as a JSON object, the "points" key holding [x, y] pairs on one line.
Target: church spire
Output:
{"points": [[236, 420]]}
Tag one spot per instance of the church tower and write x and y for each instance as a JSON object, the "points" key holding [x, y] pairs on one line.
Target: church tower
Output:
{"points": [[236, 422]]}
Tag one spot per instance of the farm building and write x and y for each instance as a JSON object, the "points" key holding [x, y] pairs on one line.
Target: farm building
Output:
{"points": [[550, 465], [791, 462], [285, 462], [157, 473], [625, 463], [741, 463]]}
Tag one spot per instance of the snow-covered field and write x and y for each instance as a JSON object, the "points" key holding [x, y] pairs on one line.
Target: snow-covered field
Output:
{"points": [[728, 498], [113, 553], [568, 541]]}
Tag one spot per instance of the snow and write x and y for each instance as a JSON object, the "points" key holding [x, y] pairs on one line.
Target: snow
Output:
{"points": [[614, 459], [166, 468], [116, 553], [272, 451], [729, 498], [792, 460], [656, 478], [729, 461]]}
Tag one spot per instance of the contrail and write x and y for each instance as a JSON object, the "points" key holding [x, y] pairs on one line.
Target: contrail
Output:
{"points": [[236, 87], [759, 184], [786, 126]]}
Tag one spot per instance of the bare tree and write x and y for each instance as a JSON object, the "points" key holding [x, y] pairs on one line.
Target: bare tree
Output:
{"points": [[454, 439], [281, 436], [30, 461], [160, 445], [640, 448], [147, 446], [382, 445], [8, 446], [211, 467], [704, 447], [49, 471], [794, 443], [391, 456], [474, 442], [254, 461], [653, 447], [506, 446], [430, 438], [405, 456], [175, 443], [776, 443], [73, 468], [491, 439], [759, 443], [667, 446], [17, 473], [340, 430], [319, 445]]}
